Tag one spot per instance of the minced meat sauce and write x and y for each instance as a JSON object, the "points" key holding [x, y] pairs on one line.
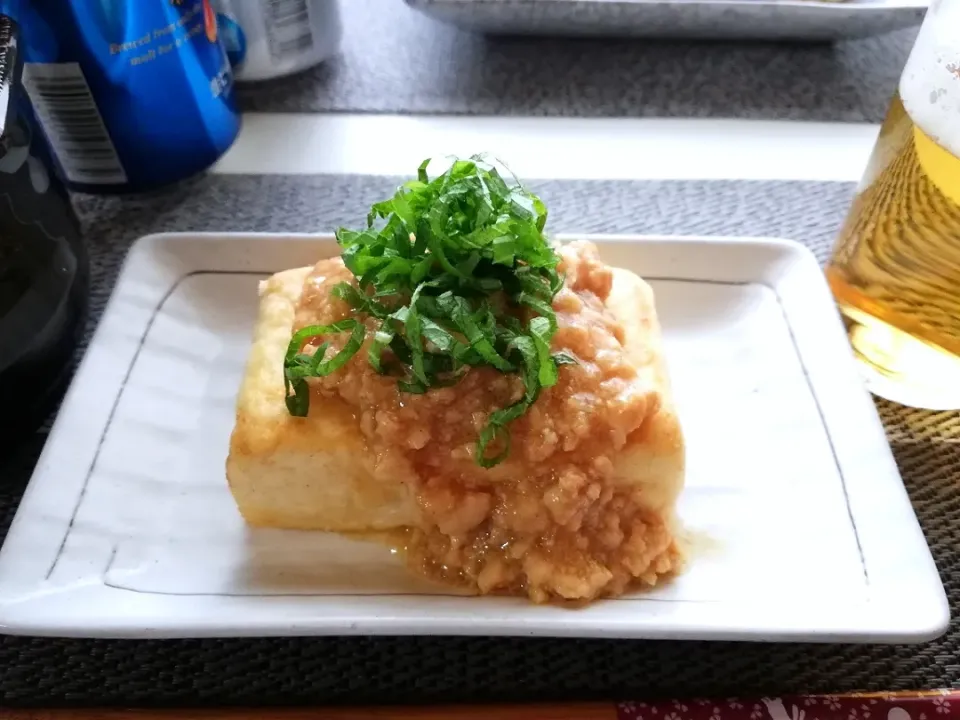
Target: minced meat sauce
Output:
{"points": [[548, 521]]}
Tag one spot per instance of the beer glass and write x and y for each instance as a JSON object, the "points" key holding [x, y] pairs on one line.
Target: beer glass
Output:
{"points": [[895, 271]]}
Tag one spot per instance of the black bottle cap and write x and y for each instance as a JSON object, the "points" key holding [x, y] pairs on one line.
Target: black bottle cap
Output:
{"points": [[11, 66]]}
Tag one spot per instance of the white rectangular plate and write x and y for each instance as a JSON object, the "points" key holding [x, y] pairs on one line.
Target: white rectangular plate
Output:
{"points": [[718, 19], [802, 528]]}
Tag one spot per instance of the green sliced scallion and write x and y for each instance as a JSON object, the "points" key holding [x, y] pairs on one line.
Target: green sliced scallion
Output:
{"points": [[298, 365], [456, 272]]}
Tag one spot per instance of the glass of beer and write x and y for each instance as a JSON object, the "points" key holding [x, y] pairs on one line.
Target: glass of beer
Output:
{"points": [[895, 272]]}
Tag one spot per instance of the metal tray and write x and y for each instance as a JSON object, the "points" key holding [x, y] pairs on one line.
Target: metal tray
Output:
{"points": [[716, 19]]}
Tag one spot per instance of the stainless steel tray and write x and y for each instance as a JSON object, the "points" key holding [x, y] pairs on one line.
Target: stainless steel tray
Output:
{"points": [[719, 19]]}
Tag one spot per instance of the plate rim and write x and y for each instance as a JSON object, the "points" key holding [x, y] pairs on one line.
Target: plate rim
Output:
{"points": [[800, 4], [752, 19]]}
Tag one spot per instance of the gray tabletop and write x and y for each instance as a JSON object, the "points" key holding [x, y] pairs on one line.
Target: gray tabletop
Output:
{"points": [[397, 60]]}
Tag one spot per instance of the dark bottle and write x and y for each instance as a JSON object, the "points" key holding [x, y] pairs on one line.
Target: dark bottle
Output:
{"points": [[43, 263]]}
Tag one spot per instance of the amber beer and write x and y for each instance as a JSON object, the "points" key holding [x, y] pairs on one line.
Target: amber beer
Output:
{"points": [[896, 269]]}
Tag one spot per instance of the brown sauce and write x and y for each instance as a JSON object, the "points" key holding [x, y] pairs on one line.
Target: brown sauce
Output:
{"points": [[550, 521]]}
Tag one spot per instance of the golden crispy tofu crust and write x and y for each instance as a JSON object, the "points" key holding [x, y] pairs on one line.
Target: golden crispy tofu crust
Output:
{"points": [[308, 473], [654, 457], [320, 473], [316, 473]]}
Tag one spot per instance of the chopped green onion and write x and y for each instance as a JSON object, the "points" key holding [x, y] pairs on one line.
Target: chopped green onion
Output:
{"points": [[298, 365], [450, 268]]}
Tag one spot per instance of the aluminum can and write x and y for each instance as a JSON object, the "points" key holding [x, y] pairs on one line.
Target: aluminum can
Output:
{"points": [[132, 94], [266, 39]]}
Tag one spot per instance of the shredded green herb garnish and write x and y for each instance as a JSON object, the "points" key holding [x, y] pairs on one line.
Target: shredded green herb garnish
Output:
{"points": [[444, 267]]}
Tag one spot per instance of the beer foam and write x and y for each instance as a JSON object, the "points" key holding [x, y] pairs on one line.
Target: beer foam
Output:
{"points": [[930, 85]]}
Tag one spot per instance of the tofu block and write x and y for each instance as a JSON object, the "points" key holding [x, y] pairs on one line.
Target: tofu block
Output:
{"points": [[310, 473], [597, 513]]}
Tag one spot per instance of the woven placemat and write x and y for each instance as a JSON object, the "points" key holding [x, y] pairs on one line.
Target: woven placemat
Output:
{"points": [[395, 59], [422, 669]]}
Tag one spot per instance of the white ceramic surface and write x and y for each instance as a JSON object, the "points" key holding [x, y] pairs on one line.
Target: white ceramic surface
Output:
{"points": [[715, 19], [802, 528], [558, 148]]}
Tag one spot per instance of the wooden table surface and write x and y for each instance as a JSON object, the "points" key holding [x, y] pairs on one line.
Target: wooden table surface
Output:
{"points": [[597, 711], [917, 705]]}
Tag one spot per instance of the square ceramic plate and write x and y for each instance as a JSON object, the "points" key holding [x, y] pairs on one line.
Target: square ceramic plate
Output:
{"points": [[715, 19], [803, 528]]}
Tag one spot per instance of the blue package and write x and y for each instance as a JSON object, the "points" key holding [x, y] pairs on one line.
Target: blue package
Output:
{"points": [[132, 94]]}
